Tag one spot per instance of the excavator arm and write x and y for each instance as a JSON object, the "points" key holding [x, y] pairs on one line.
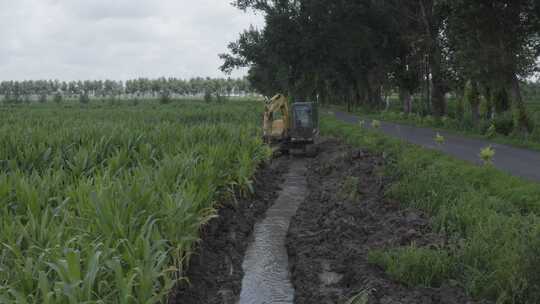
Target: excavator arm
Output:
{"points": [[276, 128]]}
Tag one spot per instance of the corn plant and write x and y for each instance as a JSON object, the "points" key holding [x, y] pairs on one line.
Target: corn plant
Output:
{"points": [[105, 205]]}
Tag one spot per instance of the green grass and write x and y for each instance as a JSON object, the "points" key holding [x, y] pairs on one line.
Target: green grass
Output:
{"points": [[416, 266], [103, 204], [490, 218]]}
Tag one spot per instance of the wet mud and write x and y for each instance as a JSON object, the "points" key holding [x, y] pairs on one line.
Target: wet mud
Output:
{"points": [[344, 216], [215, 270], [266, 268]]}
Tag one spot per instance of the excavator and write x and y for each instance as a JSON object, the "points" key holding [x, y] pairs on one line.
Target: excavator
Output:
{"points": [[291, 127]]}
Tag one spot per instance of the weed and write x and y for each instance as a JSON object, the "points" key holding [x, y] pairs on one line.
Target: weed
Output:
{"points": [[439, 139], [486, 155], [349, 189]]}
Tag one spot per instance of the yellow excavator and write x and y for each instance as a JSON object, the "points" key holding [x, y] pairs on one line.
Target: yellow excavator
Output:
{"points": [[291, 127]]}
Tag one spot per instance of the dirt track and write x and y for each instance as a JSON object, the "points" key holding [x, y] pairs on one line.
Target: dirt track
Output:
{"points": [[345, 216]]}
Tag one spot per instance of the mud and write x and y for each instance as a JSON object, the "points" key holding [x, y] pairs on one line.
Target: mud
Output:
{"points": [[215, 270], [266, 268], [344, 216]]}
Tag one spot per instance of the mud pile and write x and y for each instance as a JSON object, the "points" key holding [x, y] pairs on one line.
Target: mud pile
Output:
{"points": [[344, 216], [215, 270]]}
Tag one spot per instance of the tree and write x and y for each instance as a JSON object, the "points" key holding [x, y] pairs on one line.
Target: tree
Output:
{"points": [[495, 43]]}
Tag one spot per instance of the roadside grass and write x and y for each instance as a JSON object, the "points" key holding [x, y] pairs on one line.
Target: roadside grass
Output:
{"points": [[491, 220], [416, 266], [452, 125]]}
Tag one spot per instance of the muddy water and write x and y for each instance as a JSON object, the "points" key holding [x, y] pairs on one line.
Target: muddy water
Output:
{"points": [[266, 269]]}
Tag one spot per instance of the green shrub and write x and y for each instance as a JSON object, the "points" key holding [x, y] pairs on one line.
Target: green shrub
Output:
{"points": [[484, 125], [450, 123], [535, 135], [491, 131], [504, 123], [429, 121], [415, 118]]}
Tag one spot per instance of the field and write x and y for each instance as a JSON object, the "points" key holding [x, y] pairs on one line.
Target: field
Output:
{"points": [[110, 203], [103, 204]]}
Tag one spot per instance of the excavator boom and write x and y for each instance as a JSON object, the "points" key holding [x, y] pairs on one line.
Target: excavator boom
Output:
{"points": [[274, 128]]}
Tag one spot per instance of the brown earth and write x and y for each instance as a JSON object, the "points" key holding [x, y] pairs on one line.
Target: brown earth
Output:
{"points": [[344, 216], [215, 270]]}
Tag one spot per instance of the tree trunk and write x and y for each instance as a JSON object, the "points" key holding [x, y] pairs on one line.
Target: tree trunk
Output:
{"points": [[475, 111], [474, 102], [488, 95], [521, 118], [406, 99], [460, 108], [500, 100], [438, 99], [377, 96], [432, 26]]}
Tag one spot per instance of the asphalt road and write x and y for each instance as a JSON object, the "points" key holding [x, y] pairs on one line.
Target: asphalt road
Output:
{"points": [[516, 161]]}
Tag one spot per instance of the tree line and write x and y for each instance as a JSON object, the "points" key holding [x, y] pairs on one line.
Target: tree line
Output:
{"points": [[163, 88], [358, 51]]}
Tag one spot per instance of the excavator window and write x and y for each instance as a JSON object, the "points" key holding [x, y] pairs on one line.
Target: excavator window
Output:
{"points": [[303, 116]]}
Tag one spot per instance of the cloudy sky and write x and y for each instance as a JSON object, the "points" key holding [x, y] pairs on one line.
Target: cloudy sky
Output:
{"points": [[116, 39]]}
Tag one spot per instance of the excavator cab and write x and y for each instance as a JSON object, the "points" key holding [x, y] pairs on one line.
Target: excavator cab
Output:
{"points": [[291, 126], [304, 123]]}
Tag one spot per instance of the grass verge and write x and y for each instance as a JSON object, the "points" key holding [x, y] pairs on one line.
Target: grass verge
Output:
{"points": [[491, 220], [531, 141]]}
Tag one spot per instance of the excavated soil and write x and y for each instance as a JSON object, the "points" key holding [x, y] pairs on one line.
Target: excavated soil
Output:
{"points": [[215, 270], [344, 216]]}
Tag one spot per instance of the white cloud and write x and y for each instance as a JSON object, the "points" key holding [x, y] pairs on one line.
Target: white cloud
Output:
{"points": [[118, 39]]}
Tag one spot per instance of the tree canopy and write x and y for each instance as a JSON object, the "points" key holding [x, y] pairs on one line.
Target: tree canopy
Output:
{"points": [[353, 51]]}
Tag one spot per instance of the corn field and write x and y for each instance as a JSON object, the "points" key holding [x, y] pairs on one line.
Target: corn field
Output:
{"points": [[104, 204]]}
